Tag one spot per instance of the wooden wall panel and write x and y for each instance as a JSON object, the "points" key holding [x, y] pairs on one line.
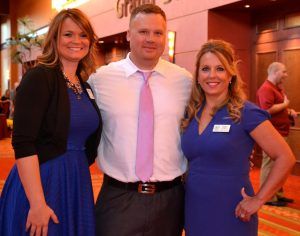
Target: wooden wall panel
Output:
{"points": [[291, 58], [294, 142], [263, 60], [292, 20]]}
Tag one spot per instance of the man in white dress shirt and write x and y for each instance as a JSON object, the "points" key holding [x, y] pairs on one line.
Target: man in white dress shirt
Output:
{"points": [[126, 205]]}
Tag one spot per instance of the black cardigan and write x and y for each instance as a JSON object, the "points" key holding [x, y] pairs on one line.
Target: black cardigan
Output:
{"points": [[42, 116]]}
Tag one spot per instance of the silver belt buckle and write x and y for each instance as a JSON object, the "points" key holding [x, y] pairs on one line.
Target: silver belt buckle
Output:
{"points": [[146, 188]]}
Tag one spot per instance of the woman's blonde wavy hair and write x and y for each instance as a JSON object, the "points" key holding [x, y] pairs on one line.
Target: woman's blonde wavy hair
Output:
{"points": [[236, 95], [50, 56]]}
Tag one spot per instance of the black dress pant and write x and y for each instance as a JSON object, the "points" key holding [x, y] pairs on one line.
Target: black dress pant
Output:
{"points": [[122, 212]]}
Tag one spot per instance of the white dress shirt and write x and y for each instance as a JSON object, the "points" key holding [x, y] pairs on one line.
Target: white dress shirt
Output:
{"points": [[117, 90]]}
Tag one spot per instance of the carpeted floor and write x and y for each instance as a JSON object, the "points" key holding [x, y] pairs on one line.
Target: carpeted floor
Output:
{"points": [[281, 221], [273, 221]]}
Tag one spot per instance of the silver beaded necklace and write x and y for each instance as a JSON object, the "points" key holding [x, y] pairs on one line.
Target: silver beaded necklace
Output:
{"points": [[76, 87]]}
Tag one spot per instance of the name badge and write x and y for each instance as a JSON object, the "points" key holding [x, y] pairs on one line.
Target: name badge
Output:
{"points": [[90, 93], [221, 128]]}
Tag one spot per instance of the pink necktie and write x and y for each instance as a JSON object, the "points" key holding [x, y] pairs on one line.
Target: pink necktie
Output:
{"points": [[145, 137]]}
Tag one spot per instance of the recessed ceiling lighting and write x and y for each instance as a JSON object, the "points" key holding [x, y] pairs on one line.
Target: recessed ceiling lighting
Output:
{"points": [[101, 41], [247, 6]]}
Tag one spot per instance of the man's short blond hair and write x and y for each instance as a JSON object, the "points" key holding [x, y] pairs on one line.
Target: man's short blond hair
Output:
{"points": [[274, 67]]}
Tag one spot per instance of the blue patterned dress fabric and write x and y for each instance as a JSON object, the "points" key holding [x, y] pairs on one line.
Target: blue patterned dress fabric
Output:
{"points": [[66, 182], [218, 170]]}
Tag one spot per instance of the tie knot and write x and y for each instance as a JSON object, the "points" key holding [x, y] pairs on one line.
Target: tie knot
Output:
{"points": [[146, 75]]}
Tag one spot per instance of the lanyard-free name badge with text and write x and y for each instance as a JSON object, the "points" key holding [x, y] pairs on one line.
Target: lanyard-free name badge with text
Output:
{"points": [[221, 128], [90, 93]]}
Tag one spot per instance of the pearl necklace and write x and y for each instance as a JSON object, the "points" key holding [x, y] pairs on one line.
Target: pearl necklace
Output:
{"points": [[76, 87]]}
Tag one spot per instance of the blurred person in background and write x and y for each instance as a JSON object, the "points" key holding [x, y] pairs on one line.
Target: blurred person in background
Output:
{"points": [[272, 98]]}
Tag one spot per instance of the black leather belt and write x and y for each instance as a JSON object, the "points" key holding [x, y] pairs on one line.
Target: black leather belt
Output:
{"points": [[146, 188]]}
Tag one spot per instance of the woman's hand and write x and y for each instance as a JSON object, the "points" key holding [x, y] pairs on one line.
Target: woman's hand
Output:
{"points": [[39, 213], [38, 219], [247, 207]]}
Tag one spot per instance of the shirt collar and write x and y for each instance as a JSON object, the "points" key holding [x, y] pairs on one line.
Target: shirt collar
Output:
{"points": [[273, 85], [132, 68]]}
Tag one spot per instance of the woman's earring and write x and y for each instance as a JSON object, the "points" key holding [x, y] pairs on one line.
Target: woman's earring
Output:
{"points": [[229, 85]]}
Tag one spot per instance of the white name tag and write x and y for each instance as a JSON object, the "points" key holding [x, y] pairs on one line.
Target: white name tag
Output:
{"points": [[90, 93], [221, 128]]}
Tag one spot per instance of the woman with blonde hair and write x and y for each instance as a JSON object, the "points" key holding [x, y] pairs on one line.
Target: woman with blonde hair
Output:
{"points": [[219, 132], [57, 128]]}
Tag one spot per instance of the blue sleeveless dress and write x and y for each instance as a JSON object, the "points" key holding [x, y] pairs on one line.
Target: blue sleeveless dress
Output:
{"points": [[218, 170], [66, 182]]}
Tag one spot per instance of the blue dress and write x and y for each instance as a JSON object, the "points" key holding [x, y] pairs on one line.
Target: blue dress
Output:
{"points": [[218, 170], [66, 182]]}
